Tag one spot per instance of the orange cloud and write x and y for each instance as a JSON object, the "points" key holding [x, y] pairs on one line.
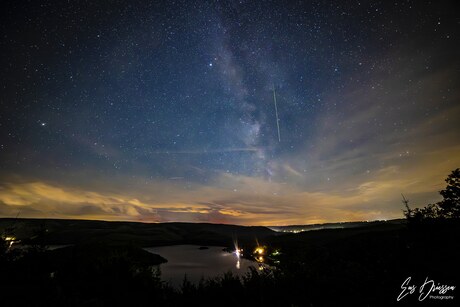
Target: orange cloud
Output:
{"points": [[233, 199]]}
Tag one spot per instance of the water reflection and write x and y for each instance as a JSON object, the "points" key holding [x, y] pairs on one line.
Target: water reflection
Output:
{"points": [[196, 263]]}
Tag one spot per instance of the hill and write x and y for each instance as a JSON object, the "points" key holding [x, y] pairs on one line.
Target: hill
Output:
{"points": [[366, 264], [61, 232]]}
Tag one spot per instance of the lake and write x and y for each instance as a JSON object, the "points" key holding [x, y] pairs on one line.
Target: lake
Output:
{"points": [[197, 263]]}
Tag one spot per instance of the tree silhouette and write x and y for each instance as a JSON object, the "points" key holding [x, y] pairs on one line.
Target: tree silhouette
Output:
{"points": [[447, 208], [450, 205]]}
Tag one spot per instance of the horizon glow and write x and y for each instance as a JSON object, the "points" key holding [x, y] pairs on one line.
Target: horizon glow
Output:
{"points": [[164, 112]]}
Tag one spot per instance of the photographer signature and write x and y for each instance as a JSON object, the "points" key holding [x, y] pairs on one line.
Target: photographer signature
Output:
{"points": [[428, 288]]}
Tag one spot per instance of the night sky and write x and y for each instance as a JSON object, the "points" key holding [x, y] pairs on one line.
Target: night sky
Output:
{"points": [[164, 111]]}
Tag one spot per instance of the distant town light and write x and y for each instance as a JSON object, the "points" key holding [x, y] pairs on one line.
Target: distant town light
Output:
{"points": [[10, 240]]}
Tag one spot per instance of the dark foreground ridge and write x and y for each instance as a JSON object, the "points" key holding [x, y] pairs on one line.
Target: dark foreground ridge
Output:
{"points": [[365, 265]]}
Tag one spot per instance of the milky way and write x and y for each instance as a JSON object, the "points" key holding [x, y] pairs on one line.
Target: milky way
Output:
{"points": [[164, 111]]}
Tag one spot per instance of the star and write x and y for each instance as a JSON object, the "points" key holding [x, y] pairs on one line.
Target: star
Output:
{"points": [[185, 90]]}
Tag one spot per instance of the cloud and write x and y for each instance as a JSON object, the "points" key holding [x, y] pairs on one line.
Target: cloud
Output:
{"points": [[231, 199], [393, 133], [63, 201]]}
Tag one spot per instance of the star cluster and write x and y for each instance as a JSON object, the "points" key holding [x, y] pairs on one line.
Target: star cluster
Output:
{"points": [[164, 110]]}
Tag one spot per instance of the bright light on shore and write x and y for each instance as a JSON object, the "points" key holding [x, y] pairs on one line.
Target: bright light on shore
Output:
{"points": [[259, 251], [238, 251]]}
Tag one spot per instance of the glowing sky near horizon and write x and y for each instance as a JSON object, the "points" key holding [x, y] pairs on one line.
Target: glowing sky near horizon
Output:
{"points": [[162, 111]]}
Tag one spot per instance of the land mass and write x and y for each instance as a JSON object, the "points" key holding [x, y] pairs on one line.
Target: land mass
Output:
{"points": [[364, 262], [62, 232]]}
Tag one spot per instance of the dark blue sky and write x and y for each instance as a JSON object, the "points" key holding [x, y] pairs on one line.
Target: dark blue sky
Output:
{"points": [[164, 111]]}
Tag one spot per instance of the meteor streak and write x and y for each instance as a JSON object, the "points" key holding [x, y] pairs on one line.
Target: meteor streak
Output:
{"points": [[276, 112]]}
